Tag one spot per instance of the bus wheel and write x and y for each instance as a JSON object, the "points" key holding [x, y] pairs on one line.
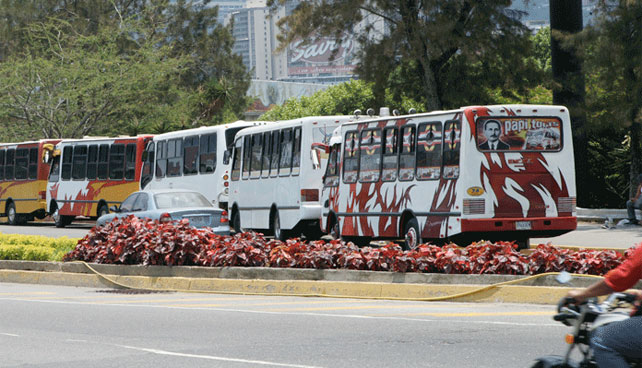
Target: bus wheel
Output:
{"points": [[334, 229], [60, 220], [236, 222], [103, 210], [12, 216], [279, 233], [523, 243], [412, 237]]}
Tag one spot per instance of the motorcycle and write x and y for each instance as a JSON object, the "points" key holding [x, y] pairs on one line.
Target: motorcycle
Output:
{"points": [[585, 318]]}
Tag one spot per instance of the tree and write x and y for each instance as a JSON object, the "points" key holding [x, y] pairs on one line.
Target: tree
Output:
{"points": [[613, 52], [436, 46], [69, 85]]}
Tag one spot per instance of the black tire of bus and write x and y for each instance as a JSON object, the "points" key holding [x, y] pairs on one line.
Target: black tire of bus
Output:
{"points": [[236, 222], [12, 216], [334, 230], [61, 220], [523, 243], [412, 236], [275, 228], [102, 210]]}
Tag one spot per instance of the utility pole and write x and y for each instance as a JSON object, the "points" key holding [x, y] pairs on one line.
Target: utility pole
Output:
{"points": [[566, 17]]}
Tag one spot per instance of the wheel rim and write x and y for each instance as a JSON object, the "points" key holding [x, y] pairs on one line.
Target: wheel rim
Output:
{"points": [[56, 216], [411, 238], [11, 215], [334, 230]]}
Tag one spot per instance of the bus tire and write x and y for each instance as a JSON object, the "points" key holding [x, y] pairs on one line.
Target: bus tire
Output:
{"points": [[412, 235], [523, 243], [334, 229], [102, 210], [275, 227], [12, 216], [61, 220], [236, 221]]}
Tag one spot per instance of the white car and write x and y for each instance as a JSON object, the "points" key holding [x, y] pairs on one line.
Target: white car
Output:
{"points": [[169, 205]]}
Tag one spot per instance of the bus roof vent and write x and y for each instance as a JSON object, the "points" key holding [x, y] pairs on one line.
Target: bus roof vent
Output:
{"points": [[412, 111], [384, 111], [370, 112], [357, 112]]}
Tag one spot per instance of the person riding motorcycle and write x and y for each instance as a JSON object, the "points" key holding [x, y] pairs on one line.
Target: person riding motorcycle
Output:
{"points": [[612, 342]]}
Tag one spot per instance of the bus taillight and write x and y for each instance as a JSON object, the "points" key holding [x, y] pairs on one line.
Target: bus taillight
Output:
{"points": [[474, 206], [165, 218], [224, 217], [42, 194], [309, 195]]}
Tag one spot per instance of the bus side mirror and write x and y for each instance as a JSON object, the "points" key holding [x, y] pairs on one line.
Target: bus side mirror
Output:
{"points": [[226, 157]]}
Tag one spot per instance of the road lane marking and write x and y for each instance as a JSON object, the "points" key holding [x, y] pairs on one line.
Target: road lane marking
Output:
{"points": [[471, 314], [8, 334], [28, 293], [303, 314], [211, 357], [358, 307]]}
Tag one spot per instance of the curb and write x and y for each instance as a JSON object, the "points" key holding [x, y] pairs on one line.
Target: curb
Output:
{"points": [[294, 282]]}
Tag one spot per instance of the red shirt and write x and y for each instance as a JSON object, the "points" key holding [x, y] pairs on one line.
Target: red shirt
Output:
{"points": [[627, 274]]}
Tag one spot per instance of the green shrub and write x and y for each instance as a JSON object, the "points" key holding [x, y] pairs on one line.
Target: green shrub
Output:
{"points": [[34, 247]]}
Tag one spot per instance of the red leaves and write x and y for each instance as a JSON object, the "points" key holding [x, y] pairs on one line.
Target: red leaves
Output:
{"points": [[142, 241]]}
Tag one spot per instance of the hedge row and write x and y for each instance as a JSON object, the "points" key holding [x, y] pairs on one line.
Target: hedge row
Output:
{"points": [[35, 247]]}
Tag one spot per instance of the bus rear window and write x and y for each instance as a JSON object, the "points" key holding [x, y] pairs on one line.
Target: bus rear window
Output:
{"points": [[519, 133]]}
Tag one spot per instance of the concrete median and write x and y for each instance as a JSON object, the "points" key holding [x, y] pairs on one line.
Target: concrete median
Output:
{"points": [[542, 289]]}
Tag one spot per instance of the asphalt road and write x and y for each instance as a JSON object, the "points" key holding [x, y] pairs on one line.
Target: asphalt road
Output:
{"points": [[55, 326], [588, 234]]}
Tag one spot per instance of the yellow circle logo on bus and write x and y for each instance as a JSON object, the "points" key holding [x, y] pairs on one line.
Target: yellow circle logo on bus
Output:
{"points": [[475, 191]]}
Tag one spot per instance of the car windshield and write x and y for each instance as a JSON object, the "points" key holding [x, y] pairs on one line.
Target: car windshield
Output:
{"points": [[180, 200]]}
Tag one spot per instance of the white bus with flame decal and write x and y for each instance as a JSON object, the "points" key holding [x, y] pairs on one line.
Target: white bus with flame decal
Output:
{"points": [[481, 172]]}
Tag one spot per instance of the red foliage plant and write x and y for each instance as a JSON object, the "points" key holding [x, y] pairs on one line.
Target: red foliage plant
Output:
{"points": [[141, 241]]}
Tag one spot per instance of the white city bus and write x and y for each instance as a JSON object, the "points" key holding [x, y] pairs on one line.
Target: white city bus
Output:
{"points": [[479, 172], [277, 175], [195, 159]]}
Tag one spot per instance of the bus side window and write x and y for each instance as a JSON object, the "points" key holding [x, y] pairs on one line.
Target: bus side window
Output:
{"points": [[79, 163], [191, 147], [207, 158], [103, 162], [22, 163], [452, 145], [117, 161], [54, 171], [161, 159], [247, 156], [33, 163], [174, 157], [370, 155], [130, 161], [390, 154], [2, 164], [296, 151], [350, 157], [429, 151], [255, 168], [92, 161], [407, 155], [332, 169], [266, 156], [67, 155], [285, 162], [236, 161], [276, 153]]}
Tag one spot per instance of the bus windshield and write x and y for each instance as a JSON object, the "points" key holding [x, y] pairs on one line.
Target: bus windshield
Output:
{"points": [[518, 133]]}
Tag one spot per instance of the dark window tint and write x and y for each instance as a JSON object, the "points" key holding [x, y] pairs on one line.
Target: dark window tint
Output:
{"points": [[296, 151], [117, 161], [67, 157], [452, 146], [429, 139], [161, 159], [370, 155], [79, 168], [332, 169], [285, 162], [92, 162], [351, 157], [33, 163], [10, 160], [236, 161], [407, 155], [267, 154], [103, 162], [174, 157], [390, 162], [207, 159], [191, 147], [276, 153], [130, 161], [247, 156], [257, 149], [2, 152], [22, 163]]}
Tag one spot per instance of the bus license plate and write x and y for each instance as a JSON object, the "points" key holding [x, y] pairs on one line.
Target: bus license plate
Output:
{"points": [[522, 225]]}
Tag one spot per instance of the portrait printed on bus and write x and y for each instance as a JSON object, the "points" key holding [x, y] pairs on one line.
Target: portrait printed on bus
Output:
{"points": [[516, 133]]}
